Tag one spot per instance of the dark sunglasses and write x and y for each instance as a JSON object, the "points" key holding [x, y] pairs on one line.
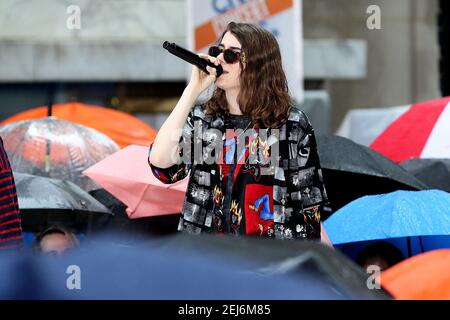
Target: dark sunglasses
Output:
{"points": [[229, 55]]}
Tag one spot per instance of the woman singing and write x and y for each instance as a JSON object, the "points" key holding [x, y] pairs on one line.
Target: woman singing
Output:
{"points": [[265, 179]]}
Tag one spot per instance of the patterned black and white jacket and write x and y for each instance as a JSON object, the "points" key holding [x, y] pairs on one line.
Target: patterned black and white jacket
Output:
{"points": [[280, 199]]}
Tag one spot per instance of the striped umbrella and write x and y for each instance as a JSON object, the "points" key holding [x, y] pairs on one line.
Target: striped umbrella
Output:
{"points": [[423, 131]]}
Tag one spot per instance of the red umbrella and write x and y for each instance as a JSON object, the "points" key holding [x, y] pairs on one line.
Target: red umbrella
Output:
{"points": [[421, 132]]}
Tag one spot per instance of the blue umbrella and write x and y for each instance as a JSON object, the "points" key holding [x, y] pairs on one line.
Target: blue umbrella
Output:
{"points": [[414, 221], [186, 267]]}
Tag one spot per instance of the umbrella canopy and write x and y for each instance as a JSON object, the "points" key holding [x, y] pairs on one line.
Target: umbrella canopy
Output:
{"points": [[121, 223], [55, 148], [364, 125], [423, 277], [184, 267], [351, 170], [289, 257], [123, 128], [400, 214], [364, 171], [434, 172], [127, 175], [44, 201], [420, 132]]}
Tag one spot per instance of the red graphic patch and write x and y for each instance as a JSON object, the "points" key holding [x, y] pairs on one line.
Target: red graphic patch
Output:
{"points": [[258, 209]]}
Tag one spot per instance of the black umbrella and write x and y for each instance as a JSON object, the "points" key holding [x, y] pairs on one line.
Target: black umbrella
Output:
{"points": [[120, 222], [271, 257], [45, 201], [434, 172], [184, 267], [351, 170]]}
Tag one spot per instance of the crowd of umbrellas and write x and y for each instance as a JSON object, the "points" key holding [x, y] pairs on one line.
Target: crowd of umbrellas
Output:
{"points": [[90, 175]]}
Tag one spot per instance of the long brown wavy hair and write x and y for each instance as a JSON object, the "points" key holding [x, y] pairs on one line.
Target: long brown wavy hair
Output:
{"points": [[264, 93]]}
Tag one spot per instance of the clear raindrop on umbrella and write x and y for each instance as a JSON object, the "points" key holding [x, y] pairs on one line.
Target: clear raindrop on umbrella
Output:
{"points": [[55, 148], [45, 201], [414, 221]]}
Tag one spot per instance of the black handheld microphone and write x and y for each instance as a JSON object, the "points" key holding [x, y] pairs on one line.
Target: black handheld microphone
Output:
{"points": [[191, 57]]}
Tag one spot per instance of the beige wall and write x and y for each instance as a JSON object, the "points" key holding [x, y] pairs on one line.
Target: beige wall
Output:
{"points": [[402, 62], [402, 58]]}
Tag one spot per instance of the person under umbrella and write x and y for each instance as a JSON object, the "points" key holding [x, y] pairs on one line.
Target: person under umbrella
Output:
{"points": [[55, 240], [382, 254], [45, 202], [10, 223]]}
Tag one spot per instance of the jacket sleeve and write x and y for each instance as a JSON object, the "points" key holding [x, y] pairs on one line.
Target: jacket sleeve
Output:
{"points": [[306, 193], [180, 170], [10, 218]]}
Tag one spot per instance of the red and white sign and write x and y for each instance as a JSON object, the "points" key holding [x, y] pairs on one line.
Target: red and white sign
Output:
{"points": [[206, 20]]}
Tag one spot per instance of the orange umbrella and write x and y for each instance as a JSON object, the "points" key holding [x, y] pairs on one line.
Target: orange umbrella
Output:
{"points": [[422, 277], [123, 128]]}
